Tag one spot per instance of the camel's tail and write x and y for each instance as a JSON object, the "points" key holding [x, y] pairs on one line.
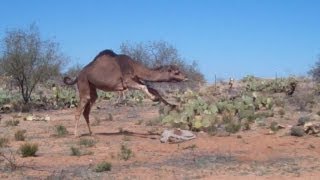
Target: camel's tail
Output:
{"points": [[69, 81]]}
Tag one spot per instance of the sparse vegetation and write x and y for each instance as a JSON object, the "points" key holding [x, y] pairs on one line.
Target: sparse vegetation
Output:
{"points": [[28, 149], [103, 166], [12, 122], [61, 130], [11, 164], [29, 59], [75, 151], [87, 142], [19, 135], [125, 152], [3, 142], [274, 126]]}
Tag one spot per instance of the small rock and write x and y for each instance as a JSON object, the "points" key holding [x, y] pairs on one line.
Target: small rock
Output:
{"points": [[29, 118], [297, 131], [47, 118], [312, 127], [271, 132]]}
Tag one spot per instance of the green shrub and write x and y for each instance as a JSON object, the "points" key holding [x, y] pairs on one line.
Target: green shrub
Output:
{"points": [[75, 151], [3, 142], [19, 135], [232, 127], [274, 126], [28, 149], [65, 97], [5, 97], [87, 142], [125, 153], [103, 166], [61, 130]]}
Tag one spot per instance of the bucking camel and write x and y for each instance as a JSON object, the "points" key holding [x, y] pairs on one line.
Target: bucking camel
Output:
{"points": [[112, 72]]}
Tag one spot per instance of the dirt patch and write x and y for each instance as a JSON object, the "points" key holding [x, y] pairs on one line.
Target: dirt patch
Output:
{"points": [[247, 155]]}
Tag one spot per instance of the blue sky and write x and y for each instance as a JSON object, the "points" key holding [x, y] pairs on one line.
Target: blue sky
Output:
{"points": [[229, 38]]}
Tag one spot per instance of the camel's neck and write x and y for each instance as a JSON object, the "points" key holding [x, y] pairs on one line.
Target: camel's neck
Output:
{"points": [[149, 74]]}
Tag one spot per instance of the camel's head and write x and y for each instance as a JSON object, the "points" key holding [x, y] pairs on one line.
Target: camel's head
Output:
{"points": [[173, 73]]}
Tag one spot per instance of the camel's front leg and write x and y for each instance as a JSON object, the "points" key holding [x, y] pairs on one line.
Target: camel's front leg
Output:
{"points": [[156, 93], [143, 88]]}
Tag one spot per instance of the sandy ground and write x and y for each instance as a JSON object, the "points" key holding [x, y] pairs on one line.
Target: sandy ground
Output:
{"points": [[246, 155]]}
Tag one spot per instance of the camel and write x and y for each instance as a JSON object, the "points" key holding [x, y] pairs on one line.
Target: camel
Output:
{"points": [[117, 72]]}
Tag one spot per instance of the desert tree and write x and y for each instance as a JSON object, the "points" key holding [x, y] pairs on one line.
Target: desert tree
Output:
{"points": [[158, 53], [29, 59]]}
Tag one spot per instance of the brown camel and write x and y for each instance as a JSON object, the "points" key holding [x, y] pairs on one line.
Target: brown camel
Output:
{"points": [[112, 72]]}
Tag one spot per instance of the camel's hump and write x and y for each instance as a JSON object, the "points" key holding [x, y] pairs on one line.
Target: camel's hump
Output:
{"points": [[106, 52]]}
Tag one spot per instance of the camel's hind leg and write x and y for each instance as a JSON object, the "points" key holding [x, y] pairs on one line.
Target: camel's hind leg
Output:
{"points": [[88, 106], [83, 102], [84, 94]]}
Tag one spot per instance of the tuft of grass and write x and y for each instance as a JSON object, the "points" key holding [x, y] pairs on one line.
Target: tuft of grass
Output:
{"points": [[153, 122], [274, 126], [28, 149], [61, 130], [3, 142], [103, 166], [12, 122], [75, 151], [246, 125], [87, 142], [211, 130], [19, 135], [125, 152], [233, 127]]}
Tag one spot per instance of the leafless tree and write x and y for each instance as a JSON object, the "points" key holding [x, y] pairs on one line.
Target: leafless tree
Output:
{"points": [[158, 53]]}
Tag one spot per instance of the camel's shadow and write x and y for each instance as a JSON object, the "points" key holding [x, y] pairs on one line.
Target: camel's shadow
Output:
{"points": [[149, 135]]}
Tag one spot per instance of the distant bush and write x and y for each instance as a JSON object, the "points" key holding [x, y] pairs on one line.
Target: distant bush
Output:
{"points": [[28, 149], [61, 130], [87, 142], [125, 152], [103, 166], [3, 142], [277, 85], [75, 151], [158, 53], [5, 97], [314, 72], [19, 135]]}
